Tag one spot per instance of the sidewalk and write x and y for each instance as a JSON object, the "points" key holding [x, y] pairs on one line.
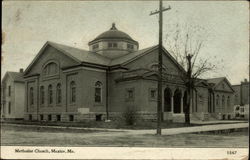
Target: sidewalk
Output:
{"points": [[218, 121], [170, 131]]}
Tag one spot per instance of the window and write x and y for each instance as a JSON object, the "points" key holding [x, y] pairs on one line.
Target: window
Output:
{"points": [[31, 96], [130, 94], [98, 117], [3, 108], [242, 110], [217, 100], [72, 92], [71, 118], [9, 108], [49, 117], [223, 101], [228, 101], [95, 46], [58, 94], [130, 46], [50, 69], [30, 117], [9, 90], [58, 117], [98, 92], [41, 117], [153, 94], [112, 45], [50, 94], [42, 95]]}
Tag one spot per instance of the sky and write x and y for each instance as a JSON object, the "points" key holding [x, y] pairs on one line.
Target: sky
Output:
{"points": [[27, 25]]}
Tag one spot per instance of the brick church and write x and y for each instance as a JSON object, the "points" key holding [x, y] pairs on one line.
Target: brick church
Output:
{"points": [[64, 83]]}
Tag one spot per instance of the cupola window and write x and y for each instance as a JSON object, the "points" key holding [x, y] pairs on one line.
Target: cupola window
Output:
{"points": [[130, 46], [112, 45], [95, 46]]}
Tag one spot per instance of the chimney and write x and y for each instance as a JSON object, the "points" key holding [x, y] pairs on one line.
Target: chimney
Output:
{"points": [[21, 70]]}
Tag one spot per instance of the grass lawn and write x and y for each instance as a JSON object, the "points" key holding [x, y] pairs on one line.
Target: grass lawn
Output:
{"points": [[110, 125], [30, 136]]}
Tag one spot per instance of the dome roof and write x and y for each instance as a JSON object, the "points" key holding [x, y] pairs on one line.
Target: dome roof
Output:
{"points": [[113, 33]]}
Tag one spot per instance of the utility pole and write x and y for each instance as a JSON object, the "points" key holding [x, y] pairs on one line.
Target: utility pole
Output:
{"points": [[159, 99]]}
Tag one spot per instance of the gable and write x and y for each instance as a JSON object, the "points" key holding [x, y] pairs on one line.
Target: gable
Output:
{"points": [[46, 55], [224, 85], [6, 78], [149, 59]]}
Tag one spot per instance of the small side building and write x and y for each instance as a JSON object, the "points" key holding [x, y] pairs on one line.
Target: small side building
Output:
{"points": [[12, 95], [221, 96], [241, 100]]}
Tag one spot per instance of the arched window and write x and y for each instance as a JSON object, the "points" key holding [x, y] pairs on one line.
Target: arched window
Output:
{"points": [[31, 96], [72, 92], [228, 101], [58, 94], [50, 94], [217, 100], [98, 92], [223, 101], [50, 69], [42, 95]]}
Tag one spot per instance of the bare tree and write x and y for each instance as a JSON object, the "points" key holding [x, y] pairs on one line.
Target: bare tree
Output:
{"points": [[185, 43]]}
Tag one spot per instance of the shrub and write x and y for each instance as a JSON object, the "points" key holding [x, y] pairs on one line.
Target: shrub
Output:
{"points": [[129, 116]]}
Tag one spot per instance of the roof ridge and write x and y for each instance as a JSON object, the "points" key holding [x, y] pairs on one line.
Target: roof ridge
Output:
{"points": [[215, 78], [130, 54], [50, 42]]}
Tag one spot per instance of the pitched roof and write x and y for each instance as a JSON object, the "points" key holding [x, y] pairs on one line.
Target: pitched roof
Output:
{"points": [[81, 55], [15, 76], [92, 57], [215, 81], [130, 56]]}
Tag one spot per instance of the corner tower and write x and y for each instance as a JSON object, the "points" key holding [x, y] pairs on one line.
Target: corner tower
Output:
{"points": [[113, 43]]}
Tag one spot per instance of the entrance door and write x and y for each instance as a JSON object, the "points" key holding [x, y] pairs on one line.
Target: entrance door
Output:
{"points": [[167, 100], [177, 101]]}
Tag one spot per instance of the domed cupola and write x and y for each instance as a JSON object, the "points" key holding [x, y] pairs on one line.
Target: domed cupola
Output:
{"points": [[113, 43]]}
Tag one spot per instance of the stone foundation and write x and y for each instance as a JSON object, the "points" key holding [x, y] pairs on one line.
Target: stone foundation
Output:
{"points": [[117, 116], [100, 116]]}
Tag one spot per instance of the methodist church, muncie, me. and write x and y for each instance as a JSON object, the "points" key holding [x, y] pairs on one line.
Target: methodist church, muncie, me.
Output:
{"points": [[64, 83]]}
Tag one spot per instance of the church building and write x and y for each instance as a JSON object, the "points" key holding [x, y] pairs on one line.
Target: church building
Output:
{"points": [[64, 83]]}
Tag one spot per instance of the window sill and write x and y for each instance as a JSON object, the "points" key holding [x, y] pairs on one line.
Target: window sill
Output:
{"points": [[48, 77], [98, 104]]}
